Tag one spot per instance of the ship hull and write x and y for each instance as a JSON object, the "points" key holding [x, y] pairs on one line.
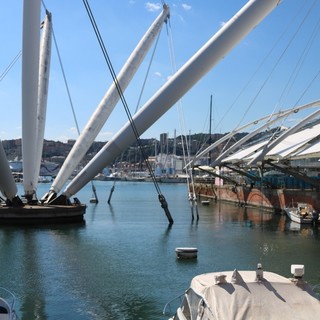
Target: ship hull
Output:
{"points": [[266, 198], [40, 214]]}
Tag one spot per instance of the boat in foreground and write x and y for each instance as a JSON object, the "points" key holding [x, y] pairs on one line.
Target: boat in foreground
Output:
{"points": [[302, 213], [253, 294], [7, 305]]}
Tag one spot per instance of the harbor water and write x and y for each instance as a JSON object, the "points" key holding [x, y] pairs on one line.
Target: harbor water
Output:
{"points": [[121, 263]]}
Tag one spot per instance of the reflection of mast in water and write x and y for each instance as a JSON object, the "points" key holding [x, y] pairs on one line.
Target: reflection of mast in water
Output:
{"points": [[210, 138], [33, 304]]}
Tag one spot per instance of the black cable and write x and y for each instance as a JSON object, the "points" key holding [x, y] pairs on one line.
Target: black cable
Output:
{"points": [[123, 100], [12, 63]]}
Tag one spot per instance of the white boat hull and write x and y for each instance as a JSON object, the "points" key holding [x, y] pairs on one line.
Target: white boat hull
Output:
{"points": [[297, 218], [302, 213]]}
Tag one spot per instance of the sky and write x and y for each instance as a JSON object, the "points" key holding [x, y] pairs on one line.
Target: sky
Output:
{"points": [[275, 67]]}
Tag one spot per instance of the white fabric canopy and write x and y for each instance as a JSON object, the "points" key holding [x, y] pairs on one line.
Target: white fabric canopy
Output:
{"points": [[273, 297], [296, 144]]}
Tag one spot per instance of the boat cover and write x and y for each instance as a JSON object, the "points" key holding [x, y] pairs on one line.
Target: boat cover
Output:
{"points": [[272, 297]]}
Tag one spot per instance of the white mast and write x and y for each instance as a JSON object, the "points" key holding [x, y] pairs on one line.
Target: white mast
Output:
{"points": [[30, 72], [44, 70], [7, 185], [108, 103], [213, 51]]}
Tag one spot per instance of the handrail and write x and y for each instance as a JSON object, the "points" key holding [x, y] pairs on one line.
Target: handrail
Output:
{"points": [[171, 301]]}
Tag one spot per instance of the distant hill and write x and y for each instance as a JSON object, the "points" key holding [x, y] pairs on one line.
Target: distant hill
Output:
{"points": [[52, 149]]}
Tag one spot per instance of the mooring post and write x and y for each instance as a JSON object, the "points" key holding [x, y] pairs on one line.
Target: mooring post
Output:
{"points": [[164, 205], [110, 195]]}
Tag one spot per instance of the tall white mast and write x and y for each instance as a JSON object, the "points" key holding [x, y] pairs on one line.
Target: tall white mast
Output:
{"points": [[108, 103], [7, 185], [44, 71], [30, 74], [212, 52]]}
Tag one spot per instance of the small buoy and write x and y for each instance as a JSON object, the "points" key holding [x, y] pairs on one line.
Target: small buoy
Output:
{"points": [[187, 253]]}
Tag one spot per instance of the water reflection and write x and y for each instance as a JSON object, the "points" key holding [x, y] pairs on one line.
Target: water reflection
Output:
{"points": [[26, 257], [121, 264], [256, 218]]}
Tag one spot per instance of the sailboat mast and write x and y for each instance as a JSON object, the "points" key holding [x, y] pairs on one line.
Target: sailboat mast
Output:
{"points": [[30, 75], [209, 55], [44, 71]]}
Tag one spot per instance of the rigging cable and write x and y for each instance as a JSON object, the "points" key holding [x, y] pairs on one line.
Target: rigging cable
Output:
{"points": [[185, 145], [63, 74], [161, 197], [11, 64], [147, 73]]}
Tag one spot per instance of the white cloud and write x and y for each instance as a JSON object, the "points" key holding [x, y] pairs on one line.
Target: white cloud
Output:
{"points": [[222, 23], [186, 7], [73, 130], [153, 6], [158, 74]]}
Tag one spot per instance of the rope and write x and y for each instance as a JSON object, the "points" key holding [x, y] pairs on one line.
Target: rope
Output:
{"points": [[147, 73], [63, 74], [185, 145], [65, 82], [11, 64], [123, 100]]}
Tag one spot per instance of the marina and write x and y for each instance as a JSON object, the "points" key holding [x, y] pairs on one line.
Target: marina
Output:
{"points": [[79, 244], [121, 262]]}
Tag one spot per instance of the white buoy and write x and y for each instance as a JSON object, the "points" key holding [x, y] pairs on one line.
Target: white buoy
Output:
{"points": [[187, 253]]}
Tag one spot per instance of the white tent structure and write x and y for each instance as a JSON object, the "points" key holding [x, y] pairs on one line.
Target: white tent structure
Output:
{"points": [[303, 143]]}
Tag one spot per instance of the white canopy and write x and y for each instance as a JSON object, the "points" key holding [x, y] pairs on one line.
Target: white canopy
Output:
{"points": [[240, 296], [245, 154], [297, 144]]}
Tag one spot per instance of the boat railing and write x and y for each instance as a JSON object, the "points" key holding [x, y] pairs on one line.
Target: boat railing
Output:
{"points": [[187, 302], [171, 306], [9, 297]]}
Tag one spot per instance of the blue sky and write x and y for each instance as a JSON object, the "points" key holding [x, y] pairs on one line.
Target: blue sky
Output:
{"points": [[282, 76]]}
